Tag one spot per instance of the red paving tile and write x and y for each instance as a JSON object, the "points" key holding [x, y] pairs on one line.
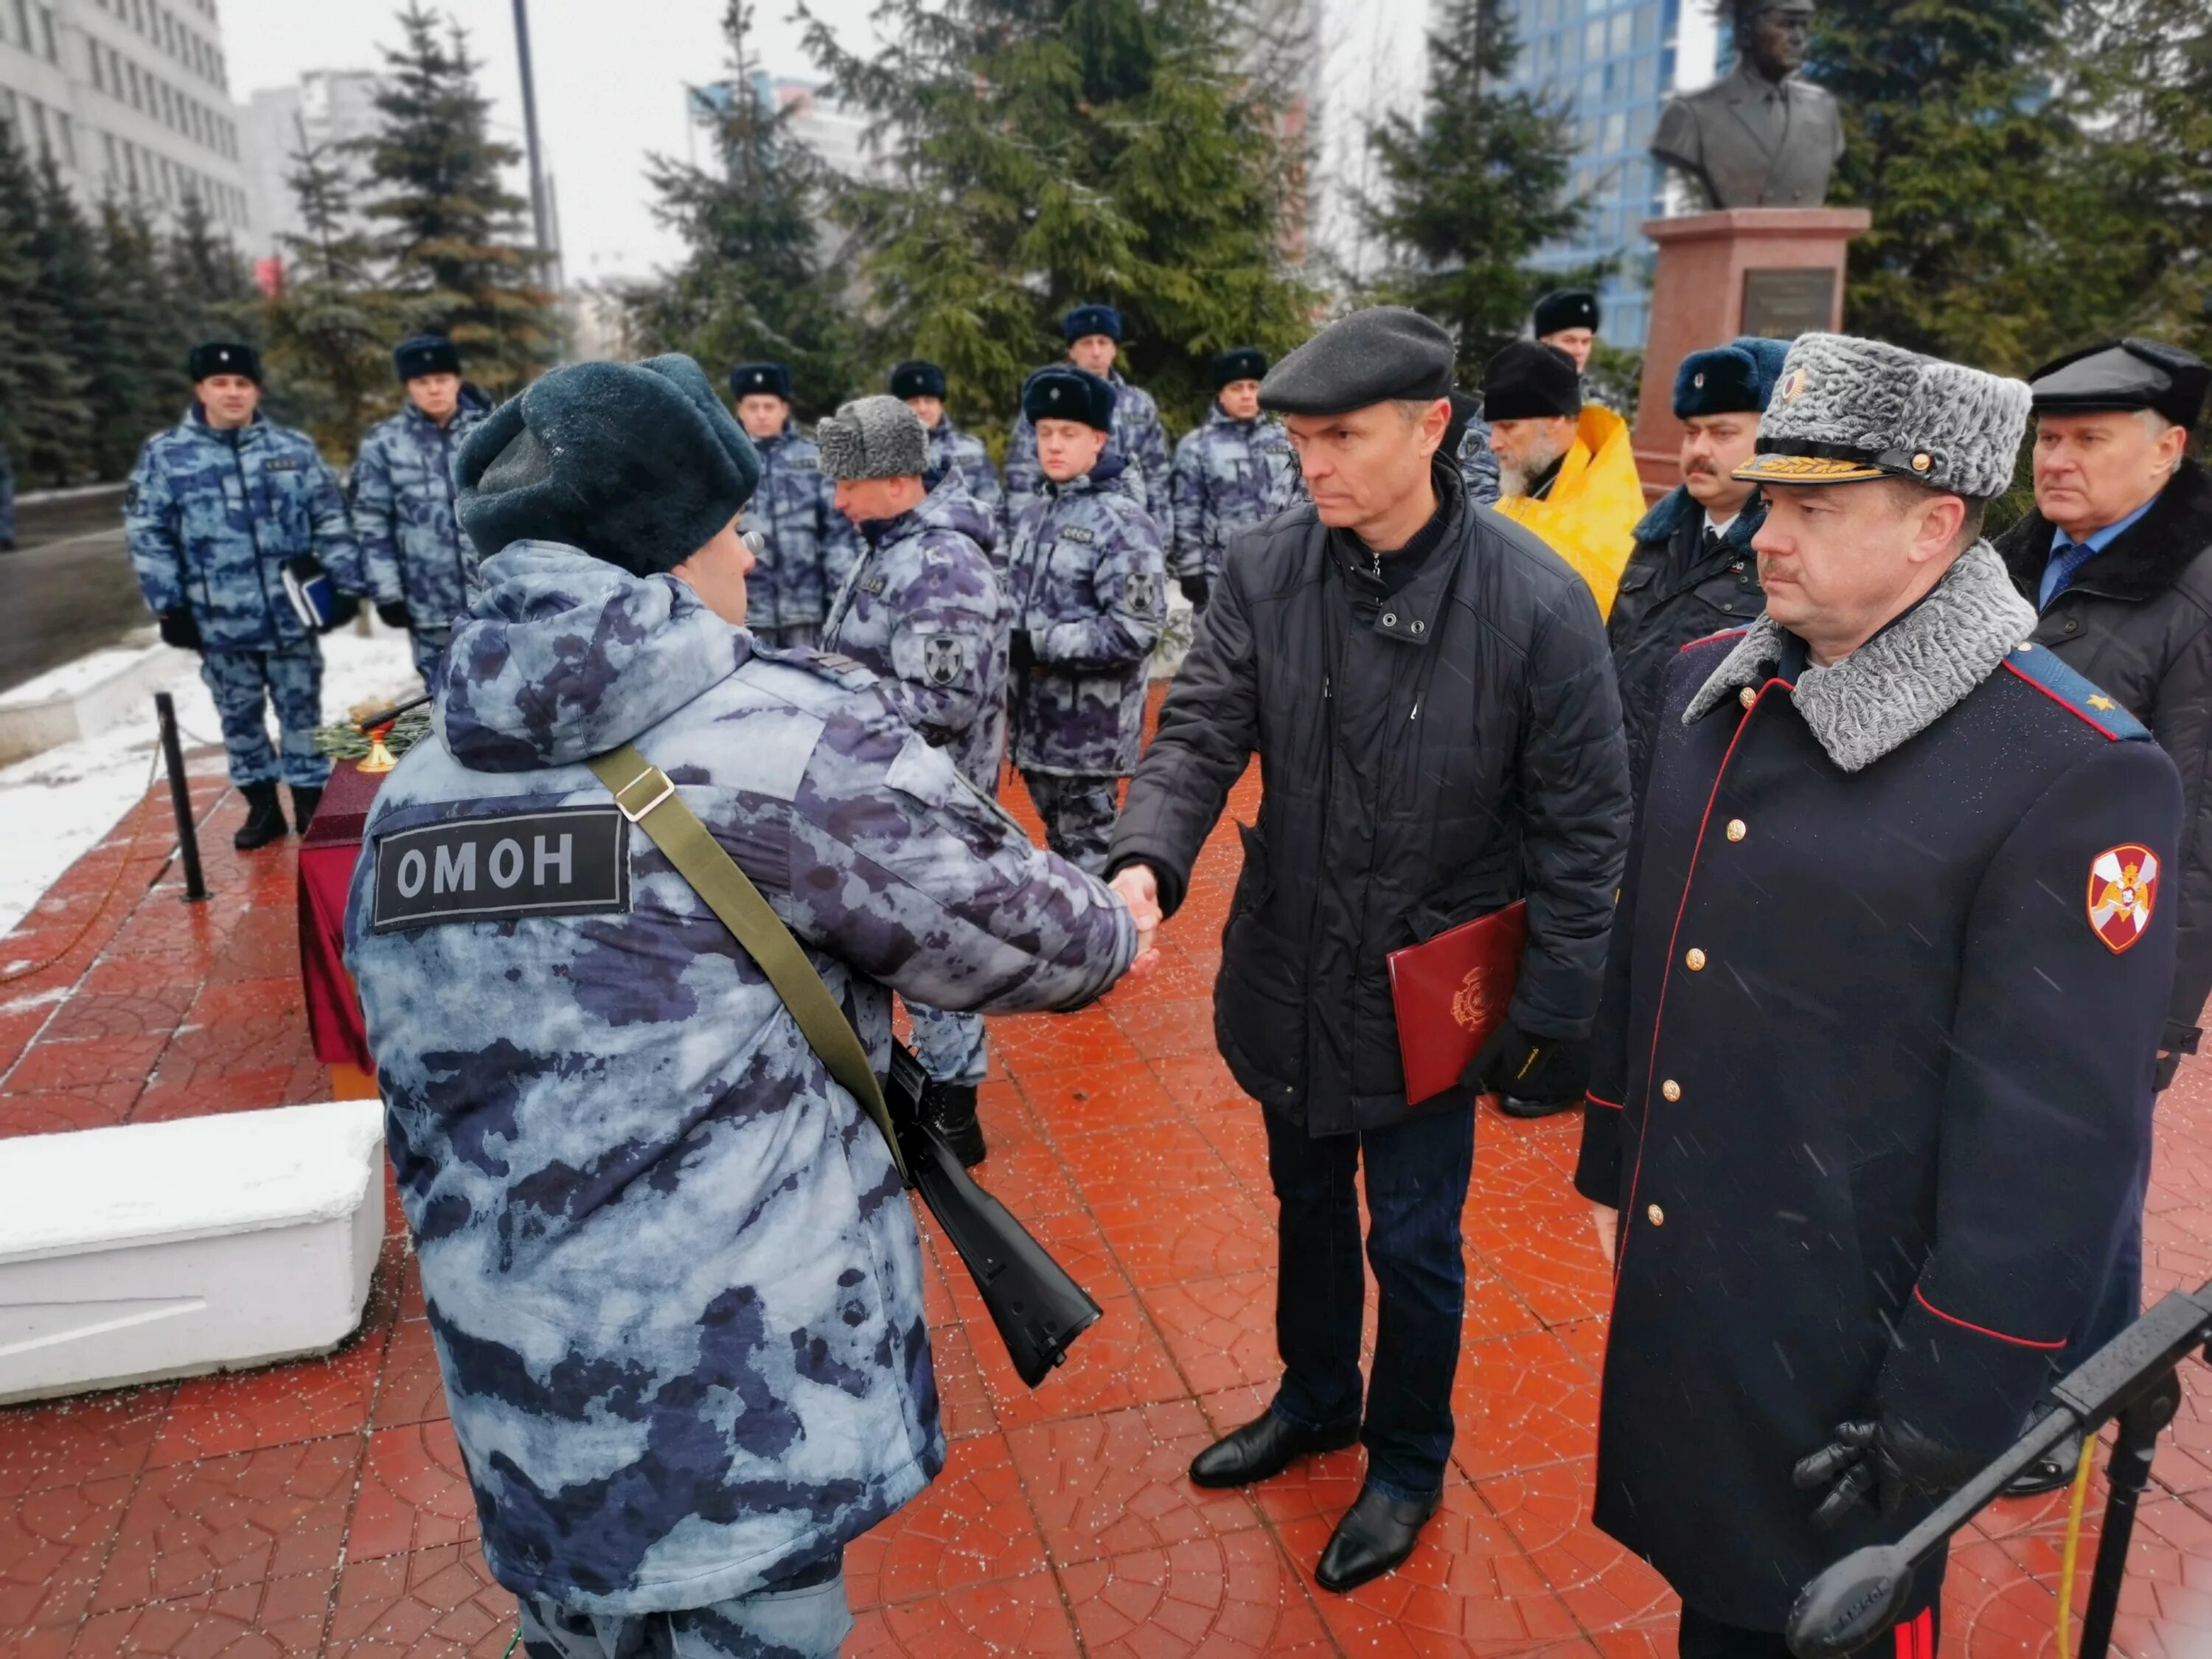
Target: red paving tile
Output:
{"points": [[320, 1508]]}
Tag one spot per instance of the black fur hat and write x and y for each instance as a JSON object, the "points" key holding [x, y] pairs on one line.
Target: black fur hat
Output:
{"points": [[224, 357], [917, 378], [1064, 393]]}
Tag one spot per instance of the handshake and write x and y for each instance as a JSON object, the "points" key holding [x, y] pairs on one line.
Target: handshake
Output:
{"points": [[1139, 889]]}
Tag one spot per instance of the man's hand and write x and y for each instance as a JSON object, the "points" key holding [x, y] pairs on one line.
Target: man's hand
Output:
{"points": [[1531, 1067], [1884, 1459], [1195, 588], [395, 614], [1606, 1220], [1139, 890]]}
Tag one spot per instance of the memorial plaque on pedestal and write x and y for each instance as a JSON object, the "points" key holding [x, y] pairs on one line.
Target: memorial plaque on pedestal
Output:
{"points": [[1782, 304]]}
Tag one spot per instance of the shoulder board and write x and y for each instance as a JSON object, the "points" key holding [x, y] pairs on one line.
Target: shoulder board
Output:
{"points": [[832, 665], [2087, 700], [1715, 639]]}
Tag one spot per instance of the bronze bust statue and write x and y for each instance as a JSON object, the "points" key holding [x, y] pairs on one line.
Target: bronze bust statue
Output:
{"points": [[1760, 136]]}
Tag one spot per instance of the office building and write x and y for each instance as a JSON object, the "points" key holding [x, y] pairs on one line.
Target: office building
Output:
{"points": [[127, 98], [323, 112]]}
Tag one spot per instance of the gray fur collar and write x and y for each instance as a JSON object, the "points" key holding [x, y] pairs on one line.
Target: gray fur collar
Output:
{"points": [[1902, 681]]}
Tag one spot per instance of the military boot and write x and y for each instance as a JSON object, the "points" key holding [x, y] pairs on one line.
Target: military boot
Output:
{"points": [[265, 818], [304, 803], [949, 1109]]}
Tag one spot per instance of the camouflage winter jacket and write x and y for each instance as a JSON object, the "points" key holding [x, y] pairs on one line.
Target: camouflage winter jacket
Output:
{"points": [[411, 543], [949, 449], [212, 516], [1087, 577], [1228, 476], [1137, 441], [924, 612], [809, 548], [673, 1283], [1478, 463]]}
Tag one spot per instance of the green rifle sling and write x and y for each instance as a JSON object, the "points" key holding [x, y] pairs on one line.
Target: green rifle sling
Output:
{"points": [[701, 860]]}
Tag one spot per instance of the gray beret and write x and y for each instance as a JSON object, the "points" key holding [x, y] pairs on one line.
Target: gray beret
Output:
{"points": [[1846, 410], [877, 437], [1371, 356]]}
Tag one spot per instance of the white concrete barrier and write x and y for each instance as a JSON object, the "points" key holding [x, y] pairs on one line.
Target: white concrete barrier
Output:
{"points": [[167, 1249], [83, 698]]}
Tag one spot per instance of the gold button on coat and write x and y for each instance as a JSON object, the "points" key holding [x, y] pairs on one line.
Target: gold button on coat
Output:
{"points": [[1737, 829], [1696, 961], [1656, 1216], [1747, 696], [1671, 1089]]}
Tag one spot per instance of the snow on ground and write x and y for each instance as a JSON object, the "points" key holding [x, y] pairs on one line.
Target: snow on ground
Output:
{"points": [[56, 806]]}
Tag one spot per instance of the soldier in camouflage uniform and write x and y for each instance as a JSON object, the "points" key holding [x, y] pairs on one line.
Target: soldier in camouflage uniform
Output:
{"points": [[673, 1284], [417, 561], [1139, 442], [925, 613], [1088, 580], [1231, 473], [921, 386], [1478, 463], [216, 508], [805, 547]]}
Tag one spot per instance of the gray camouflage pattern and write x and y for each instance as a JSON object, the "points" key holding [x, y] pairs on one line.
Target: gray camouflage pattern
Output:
{"points": [[1478, 463], [1137, 441], [809, 548], [1080, 814], [411, 545], [924, 612], [673, 1283], [244, 685], [211, 517], [1228, 476], [951, 449], [1088, 580]]}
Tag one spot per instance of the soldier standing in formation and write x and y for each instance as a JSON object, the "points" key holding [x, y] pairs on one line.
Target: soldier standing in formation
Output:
{"points": [[1087, 578], [675, 1289], [1873, 1079], [1139, 442], [923, 613], [1230, 474], [920, 386], [806, 548], [217, 508], [417, 562]]}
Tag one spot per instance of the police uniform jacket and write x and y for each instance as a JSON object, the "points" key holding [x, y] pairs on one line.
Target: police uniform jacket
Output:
{"points": [[1137, 440], [1675, 591], [211, 517], [674, 1285], [402, 512], [1873, 1072], [952, 450], [1228, 476], [807, 547], [2136, 622]]}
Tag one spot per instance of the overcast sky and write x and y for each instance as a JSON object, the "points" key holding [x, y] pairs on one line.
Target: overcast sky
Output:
{"points": [[611, 74]]}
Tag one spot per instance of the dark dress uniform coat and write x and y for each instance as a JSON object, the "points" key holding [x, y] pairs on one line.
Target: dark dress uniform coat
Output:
{"points": [[1870, 1085]]}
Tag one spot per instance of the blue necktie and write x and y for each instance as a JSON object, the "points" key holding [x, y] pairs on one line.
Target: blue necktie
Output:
{"points": [[2065, 564]]}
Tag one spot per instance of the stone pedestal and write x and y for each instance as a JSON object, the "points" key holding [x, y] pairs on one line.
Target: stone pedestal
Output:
{"points": [[1776, 272]]}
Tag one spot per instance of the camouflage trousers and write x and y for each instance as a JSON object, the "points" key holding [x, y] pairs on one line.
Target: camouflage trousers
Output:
{"points": [[949, 1046], [428, 644], [805, 1617], [243, 685], [1079, 814], [796, 636]]}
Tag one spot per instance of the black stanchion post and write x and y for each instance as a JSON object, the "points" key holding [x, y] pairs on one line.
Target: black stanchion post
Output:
{"points": [[180, 799], [2129, 1473]]}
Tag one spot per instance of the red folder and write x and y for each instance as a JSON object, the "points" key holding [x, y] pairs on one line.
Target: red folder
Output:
{"points": [[1451, 993]]}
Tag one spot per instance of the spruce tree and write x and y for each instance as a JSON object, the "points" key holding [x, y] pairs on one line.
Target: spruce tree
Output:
{"points": [[139, 378], [211, 283], [450, 224], [44, 419], [754, 282], [1471, 188], [329, 327], [1042, 153]]}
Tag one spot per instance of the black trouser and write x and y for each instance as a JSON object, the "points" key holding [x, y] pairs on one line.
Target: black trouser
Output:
{"points": [[1914, 1636]]}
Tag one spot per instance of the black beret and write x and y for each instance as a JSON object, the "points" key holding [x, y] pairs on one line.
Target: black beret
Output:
{"points": [[224, 357], [916, 378], [426, 354], [769, 379], [1092, 319], [1736, 379], [2130, 374], [1565, 308], [1062, 392], [1531, 381], [1372, 356], [637, 464], [1242, 363]]}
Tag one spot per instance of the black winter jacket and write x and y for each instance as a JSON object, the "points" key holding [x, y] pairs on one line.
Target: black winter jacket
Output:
{"points": [[2137, 621], [1492, 770]]}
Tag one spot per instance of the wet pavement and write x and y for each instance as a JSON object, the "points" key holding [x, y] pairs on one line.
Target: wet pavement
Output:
{"points": [[67, 590]]}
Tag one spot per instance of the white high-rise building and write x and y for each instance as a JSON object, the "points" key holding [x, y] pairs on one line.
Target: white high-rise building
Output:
{"points": [[326, 110], [126, 97]]}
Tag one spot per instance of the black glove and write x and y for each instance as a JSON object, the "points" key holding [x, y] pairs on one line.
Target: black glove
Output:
{"points": [[1021, 651], [396, 614], [345, 607], [178, 628], [1529, 1067], [1195, 588], [1889, 1458]]}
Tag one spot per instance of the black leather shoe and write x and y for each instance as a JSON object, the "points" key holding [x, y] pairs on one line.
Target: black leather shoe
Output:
{"points": [[304, 803], [2052, 1472], [1376, 1533], [1263, 1448], [1514, 1106], [265, 818], [949, 1109]]}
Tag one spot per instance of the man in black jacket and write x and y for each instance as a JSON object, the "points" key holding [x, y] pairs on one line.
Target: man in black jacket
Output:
{"points": [[1428, 691]]}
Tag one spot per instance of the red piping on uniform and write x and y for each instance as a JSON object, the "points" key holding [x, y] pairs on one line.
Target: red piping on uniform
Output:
{"points": [[1659, 1013], [1595, 1101], [1725, 634], [1981, 1330], [1916, 1637], [2060, 700]]}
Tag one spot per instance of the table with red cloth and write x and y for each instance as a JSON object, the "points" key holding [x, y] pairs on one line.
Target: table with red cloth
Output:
{"points": [[328, 853]]}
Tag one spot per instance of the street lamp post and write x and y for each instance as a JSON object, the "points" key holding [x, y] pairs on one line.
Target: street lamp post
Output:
{"points": [[539, 215]]}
